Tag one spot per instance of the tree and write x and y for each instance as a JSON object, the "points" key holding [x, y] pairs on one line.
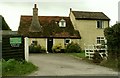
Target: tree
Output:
{"points": [[112, 35]]}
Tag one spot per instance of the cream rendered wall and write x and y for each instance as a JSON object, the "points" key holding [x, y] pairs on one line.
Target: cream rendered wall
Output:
{"points": [[76, 41], [41, 41], [88, 30], [58, 42], [61, 42]]}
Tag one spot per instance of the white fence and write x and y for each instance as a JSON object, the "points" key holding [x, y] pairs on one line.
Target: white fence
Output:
{"points": [[91, 49]]}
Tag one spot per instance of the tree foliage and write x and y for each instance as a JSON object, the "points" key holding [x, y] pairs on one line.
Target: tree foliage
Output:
{"points": [[73, 48], [112, 35]]}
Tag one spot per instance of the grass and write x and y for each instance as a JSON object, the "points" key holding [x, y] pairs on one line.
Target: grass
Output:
{"points": [[109, 63], [17, 68], [78, 55], [0, 69]]}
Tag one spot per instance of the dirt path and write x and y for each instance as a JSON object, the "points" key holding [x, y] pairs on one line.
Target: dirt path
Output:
{"points": [[62, 65]]}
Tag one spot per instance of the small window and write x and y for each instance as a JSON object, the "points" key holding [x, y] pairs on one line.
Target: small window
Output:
{"points": [[67, 41], [34, 42], [100, 40], [100, 24], [62, 23]]}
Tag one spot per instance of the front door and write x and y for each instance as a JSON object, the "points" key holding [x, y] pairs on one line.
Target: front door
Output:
{"points": [[49, 44]]}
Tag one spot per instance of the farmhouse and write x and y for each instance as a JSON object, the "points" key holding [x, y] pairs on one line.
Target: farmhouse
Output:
{"points": [[90, 25], [80, 27], [48, 31]]}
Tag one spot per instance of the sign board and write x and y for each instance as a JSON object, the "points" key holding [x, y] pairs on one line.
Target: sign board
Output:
{"points": [[15, 40]]}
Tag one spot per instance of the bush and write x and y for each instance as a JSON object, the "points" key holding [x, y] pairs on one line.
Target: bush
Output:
{"points": [[112, 35], [43, 50], [57, 48], [111, 64], [16, 68], [36, 49], [73, 48]]}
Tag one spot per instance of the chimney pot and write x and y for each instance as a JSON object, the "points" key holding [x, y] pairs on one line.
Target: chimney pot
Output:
{"points": [[35, 6], [70, 9]]}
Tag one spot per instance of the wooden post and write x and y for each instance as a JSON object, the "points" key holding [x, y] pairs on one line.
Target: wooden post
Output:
{"points": [[26, 48]]}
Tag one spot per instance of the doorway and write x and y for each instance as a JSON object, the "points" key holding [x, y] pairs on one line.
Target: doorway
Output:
{"points": [[49, 45]]}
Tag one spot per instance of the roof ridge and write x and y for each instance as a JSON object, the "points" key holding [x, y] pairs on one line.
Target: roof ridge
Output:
{"points": [[90, 15], [88, 11], [46, 16]]}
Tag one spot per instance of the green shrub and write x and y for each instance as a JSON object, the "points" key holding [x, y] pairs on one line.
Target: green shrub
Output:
{"points": [[111, 64], [37, 49], [112, 34], [73, 48], [43, 50], [34, 48], [16, 68], [57, 48]]}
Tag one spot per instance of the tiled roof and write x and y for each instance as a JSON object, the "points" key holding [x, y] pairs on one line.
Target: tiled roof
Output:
{"points": [[90, 15], [50, 27]]}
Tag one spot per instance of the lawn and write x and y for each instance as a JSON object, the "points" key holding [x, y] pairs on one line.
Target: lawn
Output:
{"points": [[114, 64], [17, 68], [78, 55], [110, 64]]}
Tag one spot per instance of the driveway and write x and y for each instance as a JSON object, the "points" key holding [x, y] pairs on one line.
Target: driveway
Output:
{"points": [[64, 65]]}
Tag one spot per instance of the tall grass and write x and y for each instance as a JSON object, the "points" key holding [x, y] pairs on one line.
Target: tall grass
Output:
{"points": [[111, 64], [17, 68]]}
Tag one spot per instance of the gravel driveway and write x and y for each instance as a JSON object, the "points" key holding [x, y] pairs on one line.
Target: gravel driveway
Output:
{"points": [[64, 65]]}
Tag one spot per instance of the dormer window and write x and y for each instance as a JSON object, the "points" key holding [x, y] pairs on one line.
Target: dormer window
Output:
{"points": [[62, 23]]}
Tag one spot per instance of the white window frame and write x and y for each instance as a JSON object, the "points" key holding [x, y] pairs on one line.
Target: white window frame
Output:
{"points": [[102, 24], [100, 39], [62, 23], [67, 39]]}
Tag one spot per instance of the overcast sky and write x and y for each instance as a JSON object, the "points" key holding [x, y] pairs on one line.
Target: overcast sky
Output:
{"points": [[11, 10]]}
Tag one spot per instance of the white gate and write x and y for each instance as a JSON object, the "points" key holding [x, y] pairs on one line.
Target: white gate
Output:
{"points": [[91, 49]]}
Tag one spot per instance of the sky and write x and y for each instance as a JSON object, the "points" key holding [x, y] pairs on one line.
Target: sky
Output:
{"points": [[12, 10]]}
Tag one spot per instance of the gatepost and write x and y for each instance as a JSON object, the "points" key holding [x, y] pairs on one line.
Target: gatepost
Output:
{"points": [[26, 48]]}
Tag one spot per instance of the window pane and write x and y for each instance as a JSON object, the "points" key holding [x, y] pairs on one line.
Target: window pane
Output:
{"points": [[102, 37], [67, 41], [62, 23], [99, 24], [98, 37], [34, 42], [102, 42], [98, 41]]}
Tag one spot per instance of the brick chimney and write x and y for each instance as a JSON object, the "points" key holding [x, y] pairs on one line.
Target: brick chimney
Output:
{"points": [[35, 25]]}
